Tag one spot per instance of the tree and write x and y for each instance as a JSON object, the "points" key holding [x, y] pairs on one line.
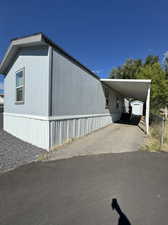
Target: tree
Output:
{"points": [[159, 87], [128, 70], [149, 69], [150, 60]]}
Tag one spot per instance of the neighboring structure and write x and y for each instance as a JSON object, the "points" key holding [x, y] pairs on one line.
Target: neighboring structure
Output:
{"points": [[50, 97], [137, 108]]}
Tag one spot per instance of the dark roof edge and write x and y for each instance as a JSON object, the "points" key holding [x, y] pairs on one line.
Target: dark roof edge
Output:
{"points": [[60, 50], [63, 52]]}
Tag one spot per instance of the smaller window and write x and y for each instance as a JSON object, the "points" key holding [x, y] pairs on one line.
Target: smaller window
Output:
{"points": [[20, 86], [117, 102], [107, 96]]}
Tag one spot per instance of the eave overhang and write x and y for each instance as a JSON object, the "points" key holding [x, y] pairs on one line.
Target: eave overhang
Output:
{"points": [[132, 88], [35, 40], [15, 45]]}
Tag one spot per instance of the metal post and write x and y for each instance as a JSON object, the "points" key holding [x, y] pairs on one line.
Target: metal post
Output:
{"points": [[147, 110], [166, 112]]}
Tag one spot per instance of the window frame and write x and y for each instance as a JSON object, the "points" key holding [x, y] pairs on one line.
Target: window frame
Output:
{"points": [[21, 86], [117, 102], [107, 96]]}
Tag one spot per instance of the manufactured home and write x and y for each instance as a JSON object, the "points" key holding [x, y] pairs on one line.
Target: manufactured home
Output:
{"points": [[50, 97]]}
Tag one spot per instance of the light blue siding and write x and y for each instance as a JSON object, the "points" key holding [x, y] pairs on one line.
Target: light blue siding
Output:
{"points": [[78, 97], [35, 61], [76, 92]]}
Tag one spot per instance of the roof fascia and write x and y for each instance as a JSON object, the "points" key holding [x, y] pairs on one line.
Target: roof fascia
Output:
{"points": [[35, 39], [127, 80], [14, 46]]}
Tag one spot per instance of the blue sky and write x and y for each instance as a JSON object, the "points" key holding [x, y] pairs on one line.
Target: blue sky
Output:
{"points": [[100, 34]]}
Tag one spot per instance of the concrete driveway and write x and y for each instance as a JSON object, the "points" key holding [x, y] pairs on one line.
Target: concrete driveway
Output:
{"points": [[79, 191], [115, 138]]}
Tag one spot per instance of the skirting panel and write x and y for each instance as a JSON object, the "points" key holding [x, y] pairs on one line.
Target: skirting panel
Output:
{"points": [[63, 130], [48, 133], [31, 130]]}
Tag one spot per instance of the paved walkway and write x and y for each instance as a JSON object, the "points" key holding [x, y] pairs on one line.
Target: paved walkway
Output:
{"points": [[115, 138]]}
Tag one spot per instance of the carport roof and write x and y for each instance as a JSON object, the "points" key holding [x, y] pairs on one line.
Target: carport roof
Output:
{"points": [[132, 88]]}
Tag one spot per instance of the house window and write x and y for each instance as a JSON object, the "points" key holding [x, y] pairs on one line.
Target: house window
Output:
{"points": [[107, 96], [20, 86], [117, 102]]}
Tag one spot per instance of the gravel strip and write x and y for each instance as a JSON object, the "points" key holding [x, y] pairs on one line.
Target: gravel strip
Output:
{"points": [[14, 152]]}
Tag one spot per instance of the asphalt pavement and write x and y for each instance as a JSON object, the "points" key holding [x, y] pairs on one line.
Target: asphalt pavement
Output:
{"points": [[80, 191]]}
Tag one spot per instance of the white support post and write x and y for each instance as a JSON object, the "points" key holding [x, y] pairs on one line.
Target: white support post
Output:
{"points": [[147, 110]]}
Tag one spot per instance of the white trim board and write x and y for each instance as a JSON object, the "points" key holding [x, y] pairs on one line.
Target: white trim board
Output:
{"points": [[127, 80], [64, 117]]}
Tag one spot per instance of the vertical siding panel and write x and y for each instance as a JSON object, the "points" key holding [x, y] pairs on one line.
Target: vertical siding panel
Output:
{"points": [[63, 130]]}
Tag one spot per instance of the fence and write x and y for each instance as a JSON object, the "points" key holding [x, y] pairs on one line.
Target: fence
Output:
{"points": [[159, 132]]}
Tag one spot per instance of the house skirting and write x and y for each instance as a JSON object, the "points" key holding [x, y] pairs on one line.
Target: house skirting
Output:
{"points": [[49, 132], [31, 129]]}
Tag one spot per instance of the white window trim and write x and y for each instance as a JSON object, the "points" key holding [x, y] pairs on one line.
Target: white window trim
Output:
{"points": [[21, 86]]}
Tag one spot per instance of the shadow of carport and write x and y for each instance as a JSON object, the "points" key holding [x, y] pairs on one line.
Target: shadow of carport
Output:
{"points": [[134, 120]]}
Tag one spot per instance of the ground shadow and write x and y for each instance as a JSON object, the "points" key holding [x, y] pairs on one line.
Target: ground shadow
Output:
{"points": [[134, 120], [123, 220]]}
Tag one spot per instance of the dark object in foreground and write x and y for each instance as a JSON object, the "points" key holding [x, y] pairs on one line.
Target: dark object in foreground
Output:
{"points": [[123, 220]]}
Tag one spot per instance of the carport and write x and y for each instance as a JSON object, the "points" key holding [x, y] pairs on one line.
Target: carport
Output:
{"points": [[133, 88]]}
